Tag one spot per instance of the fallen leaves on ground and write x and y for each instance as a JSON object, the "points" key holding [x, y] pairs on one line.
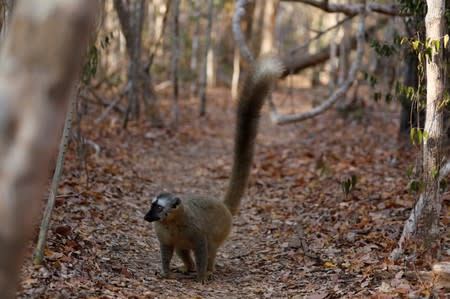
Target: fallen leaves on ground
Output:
{"points": [[297, 235]]}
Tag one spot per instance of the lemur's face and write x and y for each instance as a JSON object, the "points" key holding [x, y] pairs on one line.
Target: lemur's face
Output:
{"points": [[162, 204]]}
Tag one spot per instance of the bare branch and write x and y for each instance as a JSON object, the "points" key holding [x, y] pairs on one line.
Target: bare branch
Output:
{"points": [[337, 94], [297, 60], [354, 9], [239, 12]]}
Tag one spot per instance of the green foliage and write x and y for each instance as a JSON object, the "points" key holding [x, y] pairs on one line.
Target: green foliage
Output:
{"points": [[417, 136], [415, 186], [92, 59], [370, 79], [384, 49], [348, 184], [416, 8], [90, 67]]}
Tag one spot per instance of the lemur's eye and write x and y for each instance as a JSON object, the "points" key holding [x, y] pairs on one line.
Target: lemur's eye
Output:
{"points": [[159, 209]]}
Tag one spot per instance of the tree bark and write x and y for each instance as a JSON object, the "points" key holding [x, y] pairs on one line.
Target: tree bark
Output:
{"points": [[35, 86], [434, 23], [268, 26], [195, 45], [175, 58], [203, 73], [40, 247]]}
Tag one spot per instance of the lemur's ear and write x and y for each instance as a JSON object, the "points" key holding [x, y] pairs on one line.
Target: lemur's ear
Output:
{"points": [[176, 203]]}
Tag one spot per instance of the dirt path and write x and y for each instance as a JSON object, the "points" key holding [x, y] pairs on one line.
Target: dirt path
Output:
{"points": [[100, 247]]}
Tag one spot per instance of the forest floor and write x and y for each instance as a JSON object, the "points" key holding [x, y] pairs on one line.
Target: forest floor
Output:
{"points": [[297, 235]]}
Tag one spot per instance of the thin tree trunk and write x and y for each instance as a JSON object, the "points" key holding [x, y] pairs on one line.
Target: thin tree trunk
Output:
{"points": [[195, 45], [344, 52], [205, 60], [434, 22], [236, 73], [175, 58], [39, 252], [268, 27], [35, 87]]}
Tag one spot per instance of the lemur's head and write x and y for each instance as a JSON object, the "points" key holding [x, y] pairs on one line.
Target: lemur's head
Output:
{"points": [[162, 205]]}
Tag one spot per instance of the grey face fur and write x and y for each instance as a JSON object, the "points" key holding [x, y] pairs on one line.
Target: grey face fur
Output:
{"points": [[161, 206]]}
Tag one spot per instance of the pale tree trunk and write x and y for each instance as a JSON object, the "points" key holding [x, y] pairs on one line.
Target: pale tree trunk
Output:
{"points": [[204, 69], [344, 52], [268, 26], [333, 63], [434, 23], [175, 59], [258, 20], [161, 7], [236, 73], [211, 68], [35, 86]]}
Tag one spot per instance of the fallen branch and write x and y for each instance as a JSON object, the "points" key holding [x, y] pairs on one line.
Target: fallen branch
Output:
{"points": [[411, 223], [339, 92]]}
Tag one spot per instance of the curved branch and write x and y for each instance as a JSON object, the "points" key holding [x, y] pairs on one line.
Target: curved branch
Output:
{"points": [[337, 94], [239, 12], [354, 9]]}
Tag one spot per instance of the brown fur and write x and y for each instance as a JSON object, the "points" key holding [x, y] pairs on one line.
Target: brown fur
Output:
{"points": [[202, 224]]}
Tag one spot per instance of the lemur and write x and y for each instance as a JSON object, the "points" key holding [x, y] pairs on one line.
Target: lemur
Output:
{"points": [[201, 224]]}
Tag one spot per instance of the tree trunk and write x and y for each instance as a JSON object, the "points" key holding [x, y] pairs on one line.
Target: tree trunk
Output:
{"points": [[434, 22], [175, 58], [39, 252], [236, 73], [268, 26], [203, 74], [195, 45], [35, 86], [344, 52], [131, 20]]}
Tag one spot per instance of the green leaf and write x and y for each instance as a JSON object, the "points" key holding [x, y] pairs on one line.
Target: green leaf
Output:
{"points": [[415, 44], [435, 172], [409, 171], [445, 41], [413, 135], [415, 186], [437, 45], [354, 180]]}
